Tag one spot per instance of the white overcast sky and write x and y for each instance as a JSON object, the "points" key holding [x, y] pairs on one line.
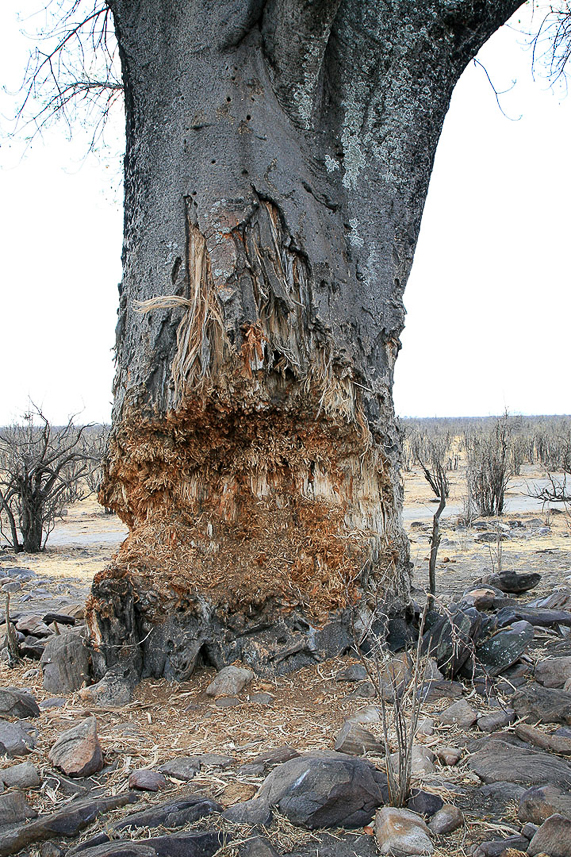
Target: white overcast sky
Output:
{"points": [[489, 299]]}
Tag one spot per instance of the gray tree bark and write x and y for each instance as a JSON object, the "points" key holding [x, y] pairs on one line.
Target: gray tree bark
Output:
{"points": [[278, 159]]}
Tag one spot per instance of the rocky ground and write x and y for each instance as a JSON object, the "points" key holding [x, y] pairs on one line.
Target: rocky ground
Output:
{"points": [[295, 765]]}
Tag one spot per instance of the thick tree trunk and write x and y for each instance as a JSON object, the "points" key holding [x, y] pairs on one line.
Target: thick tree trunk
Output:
{"points": [[278, 158]]}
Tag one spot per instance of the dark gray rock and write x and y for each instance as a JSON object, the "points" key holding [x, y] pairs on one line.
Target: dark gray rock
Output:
{"points": [[171, 814], [114, 690], [32, 625], [60, 618], [65, 663], [254, 811], [535, 702], [496, 847], [261, 698], [425, 803], [17, 703], [497, 796], [436, 689], [228, 701], [65, 822], [53, 702], [197, 844], [257, 846], [32, 647], [512, 581], [77, 752], [184, 768], [22, 776], [266, 760], [17, 739], [14, 808], [538, 616], [215, 760], [354, 672], [496, 720], [539, 802], [500, 651], [553, 838], [325, 789], [459, 714], [451, 640], [118, 849], [499, 761], [354, 740], [553, 672]]}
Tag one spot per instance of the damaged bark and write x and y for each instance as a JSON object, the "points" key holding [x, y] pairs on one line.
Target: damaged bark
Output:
{"points": [[278, 158]]}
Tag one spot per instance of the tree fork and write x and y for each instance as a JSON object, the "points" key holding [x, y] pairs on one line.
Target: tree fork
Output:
{"points": [[274, 186]]}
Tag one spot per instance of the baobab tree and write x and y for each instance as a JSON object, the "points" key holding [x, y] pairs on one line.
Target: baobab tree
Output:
{"points": [[278, 154]]}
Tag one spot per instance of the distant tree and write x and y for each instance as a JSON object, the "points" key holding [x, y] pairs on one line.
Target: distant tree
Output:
{"points": [[432, 454], [42, 470]]}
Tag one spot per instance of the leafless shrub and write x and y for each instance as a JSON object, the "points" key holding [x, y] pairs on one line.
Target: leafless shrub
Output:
{"points": [[490, 466], [42, 470]]}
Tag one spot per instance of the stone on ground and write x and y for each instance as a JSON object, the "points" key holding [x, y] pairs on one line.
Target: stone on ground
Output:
{"points": [[553, 672], [114, 690], [514, 582], [400, 832], [77, 752], [16, 739], [229, 681], [496, 720], [184, 768], [325, 789], [253, 811], [549, 705], [499, 761], [553, 838], [22, 776], [503, 649], [354, 740], [446, 820], [147, 780], [459, 714], [14, 808], [539, 802], [65, 663], [17, 703]]}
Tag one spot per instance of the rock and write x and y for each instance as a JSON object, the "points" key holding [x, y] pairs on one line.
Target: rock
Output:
{"points": [[32, 647], [114, 690], [535, 702], [553, 838], [512, 581], [422, 760], [14, 808], [500, 794], [261, 699], [196, 844], [50, 849], [482, 598], [557, 743], [227, 701], [171, 815], [424, 803], [184, 768], [59, 618], [265, 761], [257, 846], [425, 727], [65, 822], [499, 761], [538, 616], [254, 811], [553, 672], [16, 739], [451, 639], [369, 714], [53, 702], [448, 755], [529, 830], [23, 776], [229, 681], [354, 672], [354, 740], [496, 720], [215, 760], [502, 649], [325, 789], [77, 751], [431, 671], [500, 847], [539, 802], [17, 703], [33, 625], [433, 690], [65, 663], [446, 820], [147, 780], [459, 714], [401, 833]]}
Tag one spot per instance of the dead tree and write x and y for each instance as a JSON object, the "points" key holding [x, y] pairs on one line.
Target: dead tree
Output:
{"points": [[41, 472]]}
